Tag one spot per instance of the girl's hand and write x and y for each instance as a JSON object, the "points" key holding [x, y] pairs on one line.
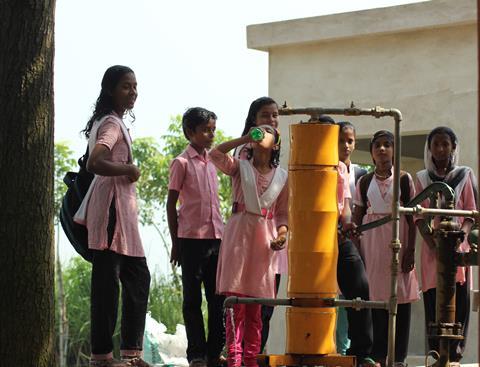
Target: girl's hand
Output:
{"points": [[175, 255], [133, 173], [278, 243], [408, 260]]}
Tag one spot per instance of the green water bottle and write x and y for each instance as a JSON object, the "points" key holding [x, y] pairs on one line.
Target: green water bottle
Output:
{"points": [[257, 134]]}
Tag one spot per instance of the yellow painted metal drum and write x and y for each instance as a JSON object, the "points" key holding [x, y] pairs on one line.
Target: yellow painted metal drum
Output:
{"points": [[312, 246], [310, 330]]}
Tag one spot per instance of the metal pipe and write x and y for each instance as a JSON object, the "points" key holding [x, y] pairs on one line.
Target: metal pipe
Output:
{"points": [[447, 237], [356, 303], [418, 210], [395, 244], [314, 113], [430, 190]]}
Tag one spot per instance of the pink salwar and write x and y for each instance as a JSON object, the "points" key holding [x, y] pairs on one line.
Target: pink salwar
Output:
{"points": [[246, 329]]}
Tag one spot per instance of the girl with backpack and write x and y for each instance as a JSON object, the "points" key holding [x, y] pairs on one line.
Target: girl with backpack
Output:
{"points": [[373, 200], [109, 211], [256, 229], [441, 164]]}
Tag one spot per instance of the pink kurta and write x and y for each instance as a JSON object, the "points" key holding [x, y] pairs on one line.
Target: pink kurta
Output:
{"points": [[375, 244], [465, 201], [126, 238], [246, 262], [280, 258]]}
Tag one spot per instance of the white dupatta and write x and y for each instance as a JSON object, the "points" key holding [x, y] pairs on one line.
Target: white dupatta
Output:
{"points": [[253, 202]]}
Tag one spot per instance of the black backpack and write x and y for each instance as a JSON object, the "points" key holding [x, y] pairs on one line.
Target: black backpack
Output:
{"points": [[78, 184]]}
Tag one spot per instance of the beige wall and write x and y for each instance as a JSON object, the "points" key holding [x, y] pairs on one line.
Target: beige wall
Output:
{"points": [[428, 73]]}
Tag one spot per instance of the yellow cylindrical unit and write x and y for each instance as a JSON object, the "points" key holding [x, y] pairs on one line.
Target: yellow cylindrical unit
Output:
{"points": [[312, 246]]}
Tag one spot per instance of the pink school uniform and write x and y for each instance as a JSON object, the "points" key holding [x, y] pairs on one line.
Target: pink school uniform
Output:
{"points": [[280, 258], [245, 262], [195, 177], [375, 243], [465, 200], [111, 133], [343, 186]]}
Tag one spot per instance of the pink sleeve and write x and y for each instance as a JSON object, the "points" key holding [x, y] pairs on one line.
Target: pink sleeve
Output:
{"points": [[468, 197], [224, 162], [108, 133], [412, 187], [178, 170], [281, 207]]}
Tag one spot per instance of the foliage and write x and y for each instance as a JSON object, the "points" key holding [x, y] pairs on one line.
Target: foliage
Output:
{"points": [[165, 301], [63, 162]]}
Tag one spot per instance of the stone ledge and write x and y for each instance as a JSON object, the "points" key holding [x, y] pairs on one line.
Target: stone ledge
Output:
{"points": [[394, 19]]}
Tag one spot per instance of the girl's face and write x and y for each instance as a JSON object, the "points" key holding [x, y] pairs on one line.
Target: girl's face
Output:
{"points": [[382, 151], [441, 147], [346, 144], [125, 93], [267, 115]]}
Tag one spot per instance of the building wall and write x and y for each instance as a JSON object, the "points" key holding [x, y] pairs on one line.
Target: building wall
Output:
{"points": [[428, 74]]}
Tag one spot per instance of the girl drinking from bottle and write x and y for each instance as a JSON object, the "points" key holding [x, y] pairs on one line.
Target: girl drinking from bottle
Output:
{"points": [[256, 229]]}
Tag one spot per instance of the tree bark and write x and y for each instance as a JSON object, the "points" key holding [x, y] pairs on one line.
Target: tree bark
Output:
{"points": [[26, 183]]}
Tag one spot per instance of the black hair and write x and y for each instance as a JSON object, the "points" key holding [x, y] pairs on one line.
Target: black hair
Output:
{"points": [[325, 119], [382, 134], [105, 104], [442, 130], [194, 117], [275, 156], [253, 110], [346, 125]]}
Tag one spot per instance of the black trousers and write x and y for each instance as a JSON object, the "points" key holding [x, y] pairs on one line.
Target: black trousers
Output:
{"points": [[108, 268], [402, 333], [353, 282], [462, 314], [267, 313], [199, 259]]}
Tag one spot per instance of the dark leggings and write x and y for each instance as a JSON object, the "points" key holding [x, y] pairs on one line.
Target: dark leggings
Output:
{"points": [[402, 333], [108, 269]]}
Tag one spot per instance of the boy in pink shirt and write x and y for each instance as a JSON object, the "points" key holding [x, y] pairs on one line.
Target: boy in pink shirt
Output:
{"points": [[196, 231]]}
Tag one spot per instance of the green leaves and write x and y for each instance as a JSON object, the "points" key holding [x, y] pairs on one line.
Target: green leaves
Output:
{"points": [[63, 162]]}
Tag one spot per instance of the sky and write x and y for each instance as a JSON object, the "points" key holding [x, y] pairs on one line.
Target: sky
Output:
{"points": [[184, 53]]}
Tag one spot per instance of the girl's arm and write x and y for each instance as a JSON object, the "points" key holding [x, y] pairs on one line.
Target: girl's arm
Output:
{"points": [[98, 161], [225, 162], [99, 164], [172, 219], [408, 259], [232, 144], [420, 222], [281, 218]]}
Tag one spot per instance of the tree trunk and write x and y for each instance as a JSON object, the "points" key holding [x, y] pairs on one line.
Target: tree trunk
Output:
{"points": [[26, 183]]}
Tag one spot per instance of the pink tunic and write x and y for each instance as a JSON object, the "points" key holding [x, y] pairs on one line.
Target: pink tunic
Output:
{"points": [[194, 176], [466, 201], [375, 244], [280, 258], [245, 264], [126, 238]]}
